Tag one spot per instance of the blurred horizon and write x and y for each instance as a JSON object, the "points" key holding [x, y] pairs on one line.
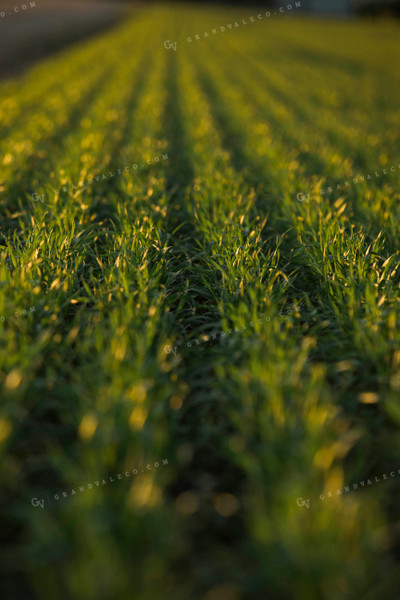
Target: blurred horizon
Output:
{"points": [[336, 6]]}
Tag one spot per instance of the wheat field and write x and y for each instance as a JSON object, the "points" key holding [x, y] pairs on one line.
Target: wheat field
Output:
{"points": [[199, 307]]}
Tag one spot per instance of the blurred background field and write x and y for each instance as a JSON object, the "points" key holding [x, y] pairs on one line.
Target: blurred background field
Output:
{"points": [[199, 281], [31, 30]]}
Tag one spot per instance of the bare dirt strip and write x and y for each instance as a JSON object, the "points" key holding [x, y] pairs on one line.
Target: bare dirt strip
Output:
{"points": [[32, 29]]}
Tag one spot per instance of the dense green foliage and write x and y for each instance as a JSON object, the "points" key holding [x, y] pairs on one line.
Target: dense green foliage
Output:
{"points": [[210, 312]]}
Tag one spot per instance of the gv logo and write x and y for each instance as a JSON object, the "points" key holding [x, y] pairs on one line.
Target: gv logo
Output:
{"points": [[301, 502], [36, 502], [168, 45], [37, 198], [168, 350], [301, 197]]}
